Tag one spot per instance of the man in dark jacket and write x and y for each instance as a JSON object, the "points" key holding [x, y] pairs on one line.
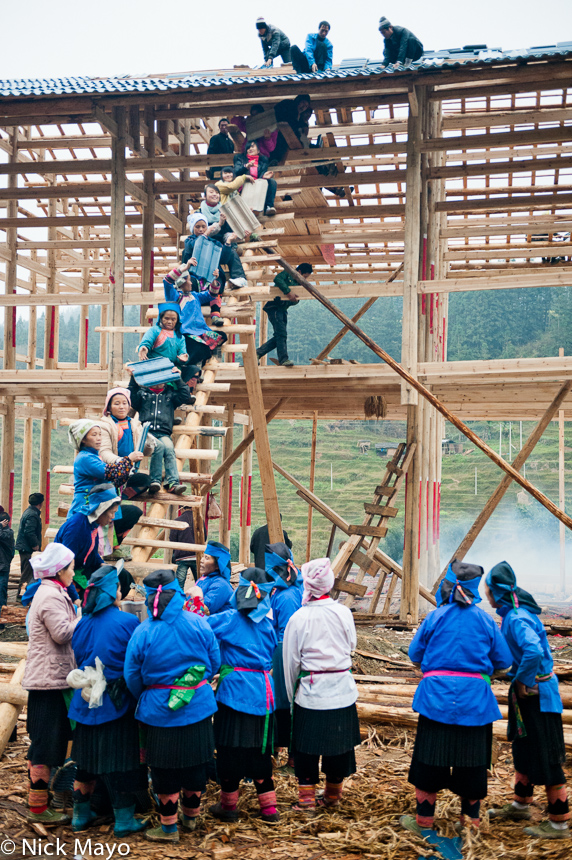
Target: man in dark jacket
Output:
{"points": [[401, 45], [157, 405], [274, 42], [7, 552], [277, 312], [182, 557], [258, 543], [220, 144], [29, 538]]}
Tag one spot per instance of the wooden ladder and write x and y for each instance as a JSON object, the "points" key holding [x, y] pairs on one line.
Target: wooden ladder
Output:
{"points": [[352, 552]]}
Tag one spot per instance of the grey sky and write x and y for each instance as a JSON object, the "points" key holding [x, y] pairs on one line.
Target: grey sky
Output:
{"points": [[114, 37]]}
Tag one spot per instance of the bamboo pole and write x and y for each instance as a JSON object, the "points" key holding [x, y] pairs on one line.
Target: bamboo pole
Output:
{"points": [[311, 484], [440, 407]]}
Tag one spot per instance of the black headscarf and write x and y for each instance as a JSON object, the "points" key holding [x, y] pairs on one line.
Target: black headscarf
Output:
{"points": [[252, 595], [460, 585], [160, 587], [502, 582]]}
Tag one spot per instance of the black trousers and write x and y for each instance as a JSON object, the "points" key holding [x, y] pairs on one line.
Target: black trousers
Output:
{"points": [[278, 318], [130, 515], [230, 258], [4, 574], [270, 193], [26, 570]]}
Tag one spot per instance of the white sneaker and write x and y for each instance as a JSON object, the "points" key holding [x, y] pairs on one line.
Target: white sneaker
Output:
{"points": [[238, 282]]}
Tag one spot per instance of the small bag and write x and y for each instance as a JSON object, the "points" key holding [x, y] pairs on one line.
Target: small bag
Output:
{"points": [[215, 512]]}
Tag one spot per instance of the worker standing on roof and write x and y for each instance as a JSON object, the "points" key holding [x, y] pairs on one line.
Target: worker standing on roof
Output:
{"points": [[275, 43], [318, 52], [401, 45]]}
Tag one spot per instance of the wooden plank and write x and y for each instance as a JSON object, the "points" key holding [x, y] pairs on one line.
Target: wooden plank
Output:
{"points": [[350, 587], [380, 510], [162, 544], [368, 531]]}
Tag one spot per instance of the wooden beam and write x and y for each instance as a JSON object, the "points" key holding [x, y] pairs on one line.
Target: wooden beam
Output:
{"points": [[117, 250], [430, 397], [311, 485], [409, 325], [261, 438], [518, 462]]}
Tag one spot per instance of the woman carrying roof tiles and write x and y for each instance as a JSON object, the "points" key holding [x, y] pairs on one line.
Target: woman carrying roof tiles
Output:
{"points": [[170, 660], [534, 721], [458, 648], [244, 721], [318, 642]]}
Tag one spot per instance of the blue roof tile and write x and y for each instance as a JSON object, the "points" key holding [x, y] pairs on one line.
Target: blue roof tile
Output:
{"points": [[452, 58]]}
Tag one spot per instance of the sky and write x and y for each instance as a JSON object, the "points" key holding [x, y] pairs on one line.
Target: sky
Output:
{"points": [[119, 37]]}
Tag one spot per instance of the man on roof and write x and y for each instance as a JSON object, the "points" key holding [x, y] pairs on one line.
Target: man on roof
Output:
{"points": [[318, 52], [401, 45], [274, 42]]}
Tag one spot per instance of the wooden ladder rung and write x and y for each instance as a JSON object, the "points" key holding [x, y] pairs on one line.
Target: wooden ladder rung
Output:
{"points": [[368, 531], [368, 565], [383, 490], [350, 587], [380, 510], [196, 453], [171, 499], [391, 467], [162, 524], [163, 544], [213, 386]]}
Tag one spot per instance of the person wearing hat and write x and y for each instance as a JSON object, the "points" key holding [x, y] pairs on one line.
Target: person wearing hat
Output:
{"points": [[243, 724], [51, 622], [274, 42], [7, 553], [214, 577], [164, 339], [120, 436], [106, 735], [458, 648], [318, 642], [534, 709], [285, 600], [198, 225], [318, 52], [220, 144], [80, 531], [29, 539], [170, 659], [401, 45]]}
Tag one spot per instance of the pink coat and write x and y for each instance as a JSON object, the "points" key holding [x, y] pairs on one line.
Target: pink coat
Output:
{"points": [[51, 623]]}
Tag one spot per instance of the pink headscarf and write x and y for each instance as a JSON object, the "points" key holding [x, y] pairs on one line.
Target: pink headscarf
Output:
{"points": [[54, 558], [318, 578], [126, 393]]}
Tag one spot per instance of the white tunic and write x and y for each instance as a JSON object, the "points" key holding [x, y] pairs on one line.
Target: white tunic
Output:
{"points": [[319, 638]]}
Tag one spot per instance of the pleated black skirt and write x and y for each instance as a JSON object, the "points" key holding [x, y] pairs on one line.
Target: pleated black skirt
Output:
{"points": [[327, 733], [180, 746], [444, 745], [111, 747], [235, 729], [48, 727], [541, 754]]}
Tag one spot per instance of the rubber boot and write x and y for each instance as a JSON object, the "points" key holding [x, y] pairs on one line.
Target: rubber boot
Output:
{"points": [[126, 823], [83, 815]]}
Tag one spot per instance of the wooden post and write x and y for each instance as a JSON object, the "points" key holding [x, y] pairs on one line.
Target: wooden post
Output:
{"points": [[148, 237], [117, 228], [45, 455], [260, 429], [561, 494], [27, 454], [11, 267], [411, 252], [51, 287], [84, 312], [246, 477], [9, 713], [263, 334], [311, 484], [8, 440], [428, 395], [505, 483], [409, 608], [224, 522]]}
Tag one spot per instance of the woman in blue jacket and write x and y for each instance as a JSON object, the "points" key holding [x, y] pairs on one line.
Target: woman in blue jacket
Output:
{"points": [[106, 736], [534, 721], [458, 647], [285, 600], [169, 662], [244, 721], [214, 579]]}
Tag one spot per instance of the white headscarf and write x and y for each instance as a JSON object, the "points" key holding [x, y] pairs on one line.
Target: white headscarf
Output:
{"points": [[193, 219], [318, 578], [54, 558], [79, 430]]}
